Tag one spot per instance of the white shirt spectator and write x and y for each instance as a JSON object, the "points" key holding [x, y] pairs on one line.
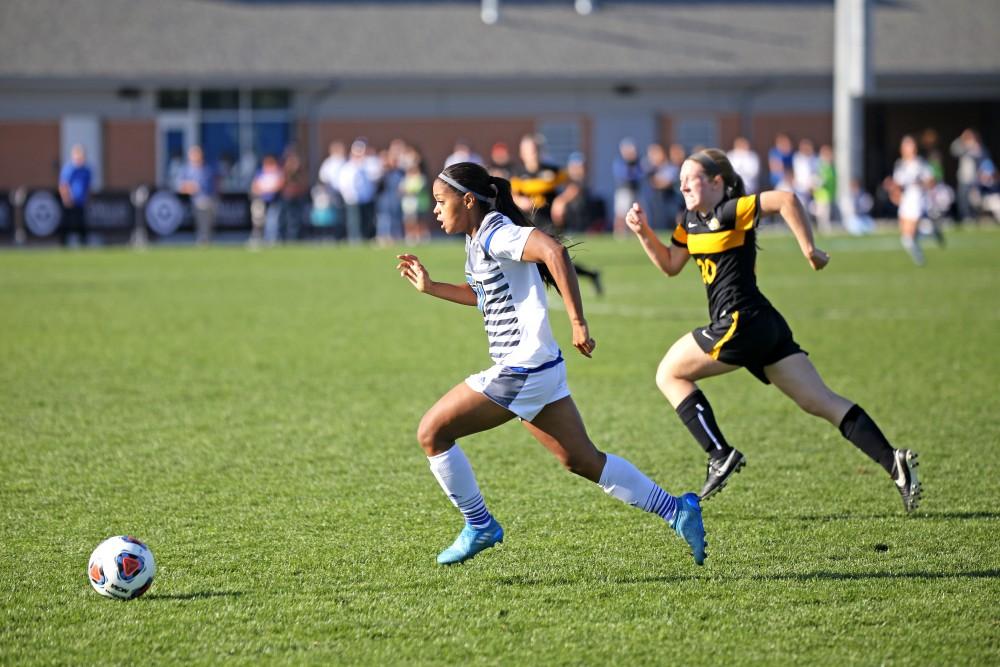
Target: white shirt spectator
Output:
{"points": [[747, 165]]}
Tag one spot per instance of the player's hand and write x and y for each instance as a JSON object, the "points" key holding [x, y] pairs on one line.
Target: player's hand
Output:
{"points": [[635, 219], [818, 259], [582, 340], [410, 268]]}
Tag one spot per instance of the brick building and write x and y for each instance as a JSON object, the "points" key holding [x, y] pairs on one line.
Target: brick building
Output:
{"points": [[138, 80]]}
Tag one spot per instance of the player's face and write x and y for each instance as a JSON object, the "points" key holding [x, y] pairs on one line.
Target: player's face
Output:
{"points": [[701, 193], [451, 209]]}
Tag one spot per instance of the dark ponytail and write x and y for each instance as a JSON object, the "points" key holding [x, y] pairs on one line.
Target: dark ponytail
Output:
{"points": [[716, 163], [493, 193], [504, 202]]}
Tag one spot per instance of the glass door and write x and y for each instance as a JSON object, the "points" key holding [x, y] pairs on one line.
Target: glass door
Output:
{"points": [[175, 133]]}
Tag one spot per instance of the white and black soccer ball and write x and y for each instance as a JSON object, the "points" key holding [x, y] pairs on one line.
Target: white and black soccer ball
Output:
{"points": [[121, 567]]}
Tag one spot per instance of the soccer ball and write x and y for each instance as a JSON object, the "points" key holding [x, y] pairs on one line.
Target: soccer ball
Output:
{"points": [[121, 567]]}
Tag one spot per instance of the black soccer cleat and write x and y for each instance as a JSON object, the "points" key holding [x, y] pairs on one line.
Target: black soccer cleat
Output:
{"points": [[719, 472], [904, 474]]}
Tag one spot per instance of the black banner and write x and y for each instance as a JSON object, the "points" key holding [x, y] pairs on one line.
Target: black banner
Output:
{"points": [[110, 211], [6, 215], [232, 212]]}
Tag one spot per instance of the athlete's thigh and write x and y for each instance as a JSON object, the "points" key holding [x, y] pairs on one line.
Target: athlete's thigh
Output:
{"points": [[560, 429], [685, 359], [798, 379], [463, 411]]}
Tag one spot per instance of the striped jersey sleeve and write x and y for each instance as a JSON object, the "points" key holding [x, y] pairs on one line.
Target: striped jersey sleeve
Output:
{"points": [[502, 239]]}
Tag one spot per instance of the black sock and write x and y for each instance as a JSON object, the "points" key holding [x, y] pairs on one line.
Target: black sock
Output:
{"points": [[697, 415], [864, 433]]}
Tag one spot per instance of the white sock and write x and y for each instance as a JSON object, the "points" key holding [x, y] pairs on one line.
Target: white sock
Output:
{"points": [[625, 482], [454, 473]]}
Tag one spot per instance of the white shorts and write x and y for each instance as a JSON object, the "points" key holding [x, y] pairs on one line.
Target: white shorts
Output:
{"points": [[523, 393]]}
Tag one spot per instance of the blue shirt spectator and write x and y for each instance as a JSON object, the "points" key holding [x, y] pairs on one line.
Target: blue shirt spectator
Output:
{"points": [[75, 178]]}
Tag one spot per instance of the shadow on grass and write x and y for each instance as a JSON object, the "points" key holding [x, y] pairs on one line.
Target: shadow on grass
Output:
{"points": [[524, 580], [198, 595], [837, 576], [919, 516]]}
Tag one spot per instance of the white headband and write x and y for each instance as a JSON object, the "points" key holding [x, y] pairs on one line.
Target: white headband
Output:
{"points": [[461, 188]]}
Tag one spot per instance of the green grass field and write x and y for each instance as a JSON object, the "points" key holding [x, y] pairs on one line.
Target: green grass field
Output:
{"points": [[252, 416]]}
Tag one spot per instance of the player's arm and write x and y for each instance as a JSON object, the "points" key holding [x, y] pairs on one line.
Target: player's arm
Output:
{"points": [[410, 268], [668, 259], [788, 206], [543, 249]]}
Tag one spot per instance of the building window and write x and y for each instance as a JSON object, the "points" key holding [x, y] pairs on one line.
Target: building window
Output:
{"points": [[213, 100], [231, 125], [270, 99], [172, 100]]}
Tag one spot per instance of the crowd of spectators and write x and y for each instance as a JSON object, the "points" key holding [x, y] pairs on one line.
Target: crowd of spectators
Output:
{"points": [[361, 193]]}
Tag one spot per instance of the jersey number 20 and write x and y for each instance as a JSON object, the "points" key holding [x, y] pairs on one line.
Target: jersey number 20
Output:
{"points": [[708, 268]]}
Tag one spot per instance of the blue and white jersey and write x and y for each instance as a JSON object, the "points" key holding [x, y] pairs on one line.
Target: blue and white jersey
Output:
{"points": [[510, 294]]}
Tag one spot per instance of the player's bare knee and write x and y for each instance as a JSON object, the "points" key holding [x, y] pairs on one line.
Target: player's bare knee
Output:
{"points": [[587, 465], [666, 377], [430, 437], [817, 405]]}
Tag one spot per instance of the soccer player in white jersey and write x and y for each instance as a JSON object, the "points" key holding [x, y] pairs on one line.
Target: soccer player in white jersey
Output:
{"points": [[508, 262]]}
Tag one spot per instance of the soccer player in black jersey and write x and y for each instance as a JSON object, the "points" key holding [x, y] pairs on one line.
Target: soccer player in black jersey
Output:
{"points": [[745, 329], [535, 185]]}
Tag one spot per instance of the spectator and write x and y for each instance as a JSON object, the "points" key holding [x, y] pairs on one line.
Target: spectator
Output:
{"points": [[932, 153], [825, 192], [626, 170], [535, 186], [266, 189], [74, 189], [575, 210], [971, 154], [662, 193], [356, 181], [329, 173], [805, 172], [500, 161], [989, 182], [388, 203], [321, 216], [415, 197], [198, 181], [293, 197], [746, 163], [779, 158], [535, 183], [462, 152]]}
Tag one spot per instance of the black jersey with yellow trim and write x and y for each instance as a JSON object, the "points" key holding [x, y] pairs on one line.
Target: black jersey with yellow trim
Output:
{"points": [[724, 248], [540, 185]]}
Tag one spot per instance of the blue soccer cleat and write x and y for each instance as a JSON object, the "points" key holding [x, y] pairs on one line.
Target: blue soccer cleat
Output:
{"points": [[687, 523], [471, 541]]}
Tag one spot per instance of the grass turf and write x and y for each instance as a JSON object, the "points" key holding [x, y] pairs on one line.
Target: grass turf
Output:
{"points": [[252, 416]]}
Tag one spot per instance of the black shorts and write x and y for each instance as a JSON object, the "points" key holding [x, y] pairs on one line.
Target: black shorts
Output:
{"points": [[752, 339]]}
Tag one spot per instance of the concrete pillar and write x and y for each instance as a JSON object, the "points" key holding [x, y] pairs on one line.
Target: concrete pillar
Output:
{"points": [[852, 81]]}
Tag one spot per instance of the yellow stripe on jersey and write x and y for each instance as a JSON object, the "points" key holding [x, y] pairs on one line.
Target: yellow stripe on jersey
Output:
{"points": [[680, 234], [714, 242], [538, 188], [729, 334], [746, 212]]}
